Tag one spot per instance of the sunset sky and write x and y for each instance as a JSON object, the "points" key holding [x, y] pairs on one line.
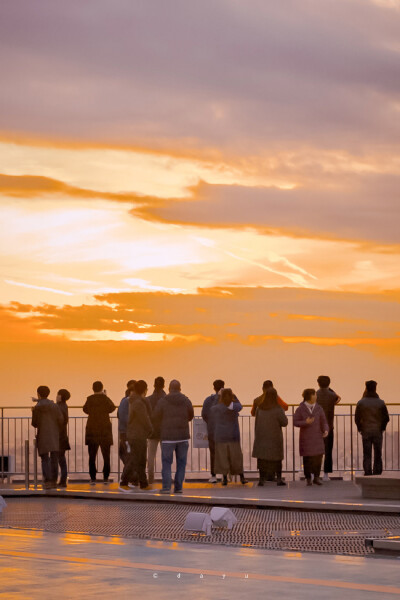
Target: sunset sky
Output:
{"points": [[199, 190]]}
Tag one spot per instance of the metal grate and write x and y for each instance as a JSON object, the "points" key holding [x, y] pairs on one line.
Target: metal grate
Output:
{"points": [[328, 532]]}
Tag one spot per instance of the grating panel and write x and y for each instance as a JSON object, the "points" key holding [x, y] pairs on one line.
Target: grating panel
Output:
{"points": [[329, 532]]}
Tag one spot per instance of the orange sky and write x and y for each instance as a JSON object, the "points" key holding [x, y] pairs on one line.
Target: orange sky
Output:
{"points": [[238, 218]]}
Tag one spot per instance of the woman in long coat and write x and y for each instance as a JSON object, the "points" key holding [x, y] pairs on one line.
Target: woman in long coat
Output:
{"points": [[268, 438], [311, 419], [228, 453], [62, 397]]}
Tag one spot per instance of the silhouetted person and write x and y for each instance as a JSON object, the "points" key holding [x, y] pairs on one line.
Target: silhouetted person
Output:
{"points": [[257, 401], [98, 407], [123, 414], [311, 419], [62, 397], [328, 399], [268, 438], [226, 433], [154, 439], [208, 403], [173, 414], [371, 418], [138, 430], [47, 418]]}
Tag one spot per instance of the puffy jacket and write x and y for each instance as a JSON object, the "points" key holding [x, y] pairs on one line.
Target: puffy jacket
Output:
{"points": [[152, 402], [98, 427], [139, 423], [226, 422], [48, 419], [371, 414], [172, 415], [311, 441]]}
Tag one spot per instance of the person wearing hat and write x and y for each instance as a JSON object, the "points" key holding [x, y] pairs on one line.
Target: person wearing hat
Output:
{"points": [[371, 418]]}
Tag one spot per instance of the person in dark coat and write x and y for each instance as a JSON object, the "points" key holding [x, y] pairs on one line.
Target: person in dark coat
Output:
{"points": [[311, 419], [226, 432], [62, 397], [208, 403], [154, 439], [138, 430], [172, 415], [371, 418], [122, 415], [48, 420], [257, 401], [98, 430], [328, 399], [268, 438]]}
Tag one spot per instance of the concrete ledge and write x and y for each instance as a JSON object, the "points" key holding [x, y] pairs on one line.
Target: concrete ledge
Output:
{"points": [[376, 486], [385, 546], [190, 498]]}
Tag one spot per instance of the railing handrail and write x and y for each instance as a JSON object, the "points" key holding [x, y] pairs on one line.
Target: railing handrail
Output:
{"points": [[339, 405]]}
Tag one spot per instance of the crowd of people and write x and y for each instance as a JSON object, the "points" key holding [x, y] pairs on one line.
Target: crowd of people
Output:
{"points": [[145, 421]]}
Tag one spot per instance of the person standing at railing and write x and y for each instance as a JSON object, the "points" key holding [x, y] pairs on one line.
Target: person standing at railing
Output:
{"points": [[268, 438], [311, 419], [154, 439], [328, 399], [48, 420], [257, 401], [62, 397], [226, 433], [98, 433], [208, 403], [371, 418], [122, 415]]}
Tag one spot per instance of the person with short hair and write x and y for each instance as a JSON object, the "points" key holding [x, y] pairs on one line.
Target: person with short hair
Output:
{"points": [[48, 420], [98, 433], [257, 401], [225, 419], [208, 403], [123, 415], [328, 399], [138, 430], [62, 397], [311, 420], [371, 418], [268, 438], [154, 439], [172, 415]]}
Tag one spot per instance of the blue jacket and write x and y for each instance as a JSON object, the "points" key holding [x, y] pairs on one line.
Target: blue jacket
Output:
{"points": [[123, 414], [225, 422], [209, 402]]}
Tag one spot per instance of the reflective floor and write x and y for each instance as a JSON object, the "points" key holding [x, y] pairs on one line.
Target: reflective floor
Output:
{"points": [[45, 565]]}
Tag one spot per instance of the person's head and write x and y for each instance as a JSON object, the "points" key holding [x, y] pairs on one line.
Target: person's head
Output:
{"points": [[140, 388], [43, 392], [218, 384], [324, 381], [226, 396], [131, 384], [267, 385], [309, 395], [159, 383], [97, 387], [63, 395], [270, 398], [370, 386], [174, 386]]}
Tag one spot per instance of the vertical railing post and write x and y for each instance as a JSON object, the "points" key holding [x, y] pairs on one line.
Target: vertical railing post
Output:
{"points": [[351, 445], [27, 464], [2, 446], [35, 463], [293, 448]]}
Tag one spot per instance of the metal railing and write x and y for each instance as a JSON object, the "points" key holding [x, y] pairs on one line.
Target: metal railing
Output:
{"points": [[17, 443]]}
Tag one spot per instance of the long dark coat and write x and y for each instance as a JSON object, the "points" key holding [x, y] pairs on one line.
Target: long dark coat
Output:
{"points": [[311, 440], [64, 441], [268, 438], [98, 427], [48, 419]]}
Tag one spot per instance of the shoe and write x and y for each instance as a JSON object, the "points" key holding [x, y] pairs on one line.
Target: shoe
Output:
{"points": [[48, 485], [280, 482], [225, 480], [212, 479], [309, 481], [317, 481], [124, 488], [131, 486], [178, 491], [106, 481], [261, 483], [62, 484], [243, 480], [219, 477], [165, 492], [326, 477], [93, 482]]}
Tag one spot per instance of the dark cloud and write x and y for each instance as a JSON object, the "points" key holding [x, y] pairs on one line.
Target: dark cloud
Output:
{"points": [[242, 77]]}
